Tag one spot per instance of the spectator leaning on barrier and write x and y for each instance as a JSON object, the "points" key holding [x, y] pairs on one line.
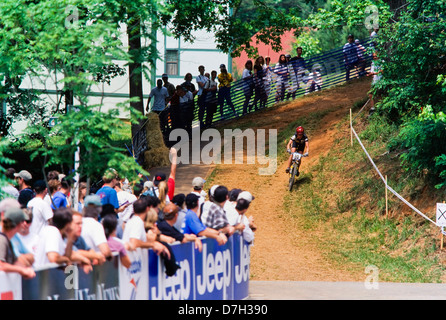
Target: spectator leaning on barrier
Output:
{"points": [[79, 243], [166, 227], [193, 224], [135, 233], [29, 239], [110, 223], [12, 219], [216, 218], [180, 201], [93, 231], [40, 209]]}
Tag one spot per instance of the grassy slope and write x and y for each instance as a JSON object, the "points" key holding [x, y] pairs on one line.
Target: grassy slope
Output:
{"points": [[344, 205]]}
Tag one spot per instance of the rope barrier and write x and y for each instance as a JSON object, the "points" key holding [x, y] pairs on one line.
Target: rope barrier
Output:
{"points": [[384, 179]]}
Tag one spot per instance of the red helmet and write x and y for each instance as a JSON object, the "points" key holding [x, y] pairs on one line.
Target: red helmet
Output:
{"points": [[300, 130]]}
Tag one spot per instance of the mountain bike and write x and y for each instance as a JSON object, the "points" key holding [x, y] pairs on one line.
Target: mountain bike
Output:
{"points": [[294, 170]]}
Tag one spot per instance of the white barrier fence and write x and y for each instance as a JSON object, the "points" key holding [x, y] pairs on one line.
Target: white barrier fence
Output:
{"points": [[215, 273]]}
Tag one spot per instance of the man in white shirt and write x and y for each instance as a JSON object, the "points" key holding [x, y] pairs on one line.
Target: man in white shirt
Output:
{"points": [[197, 185], [201, 81], [52, 248], [134, 231], [40, 209], [93, 231]]}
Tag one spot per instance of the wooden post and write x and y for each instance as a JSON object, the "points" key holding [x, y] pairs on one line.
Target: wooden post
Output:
{"points": [[387, 206], [351, 128]]}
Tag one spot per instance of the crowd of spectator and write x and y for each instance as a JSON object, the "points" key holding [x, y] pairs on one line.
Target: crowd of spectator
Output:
{"points": [[41, 226], [177, 105]]}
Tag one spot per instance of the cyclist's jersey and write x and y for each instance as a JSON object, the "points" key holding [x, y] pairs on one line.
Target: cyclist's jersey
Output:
{"points": [[299, 144]]}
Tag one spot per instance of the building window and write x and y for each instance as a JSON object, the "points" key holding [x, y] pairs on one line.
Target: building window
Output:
{"points": [[172, 62]]}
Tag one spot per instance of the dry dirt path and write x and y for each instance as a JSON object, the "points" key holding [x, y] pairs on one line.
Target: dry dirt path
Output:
{"points": [[283, 251]]}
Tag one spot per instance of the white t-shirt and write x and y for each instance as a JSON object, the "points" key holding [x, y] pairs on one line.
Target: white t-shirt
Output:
{"points": [[50, 241], [231, 213], [134, 228], [123, 197], [42, 212], [93, 233], [30, 241]]}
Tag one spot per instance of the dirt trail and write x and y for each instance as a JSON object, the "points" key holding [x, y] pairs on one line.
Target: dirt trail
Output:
{"points": [[283, 251]]}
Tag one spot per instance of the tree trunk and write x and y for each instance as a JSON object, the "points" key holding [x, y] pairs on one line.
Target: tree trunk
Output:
{"points": [[135, 68]]}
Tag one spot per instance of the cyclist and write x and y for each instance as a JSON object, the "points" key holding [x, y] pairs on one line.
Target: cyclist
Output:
{"points": [[298, 143]]}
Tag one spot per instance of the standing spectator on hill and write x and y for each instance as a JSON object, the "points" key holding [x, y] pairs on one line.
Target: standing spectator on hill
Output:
{"points": [[169, 86], [375, 72], [361, 58], [281, 70], [351, 58], [224, 92], [40, 209], [216, 218], [193, 224], [10, 189], [161, 95], [299, 66], [268, 76], [259, 88], [12, 220], [293, 79], [201, 101], [248, 85], [24, 179], [189, 107], [82, 193], [211, 88]]}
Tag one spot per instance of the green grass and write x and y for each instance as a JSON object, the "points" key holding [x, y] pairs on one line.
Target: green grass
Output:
{"points": [[352, 215]]}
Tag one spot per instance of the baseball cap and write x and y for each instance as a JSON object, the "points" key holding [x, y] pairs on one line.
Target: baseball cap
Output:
{"points": [[158, 178], [15, 215], [245, 195], [222, 65], [211, 192], [148, 184], [198, 182], [111, 173], [92, 199], [39, 185], [164, 75], [25, 175]]}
